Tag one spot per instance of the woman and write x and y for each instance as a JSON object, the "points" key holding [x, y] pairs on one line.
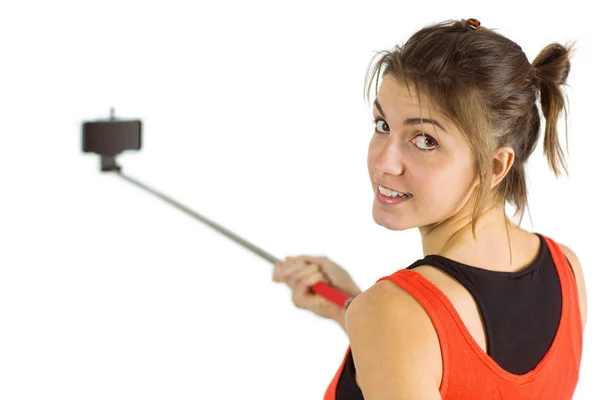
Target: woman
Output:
{"points": [[492, 311]]}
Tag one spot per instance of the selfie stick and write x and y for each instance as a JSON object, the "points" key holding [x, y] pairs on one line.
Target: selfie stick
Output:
{"points": [[109, 137]]}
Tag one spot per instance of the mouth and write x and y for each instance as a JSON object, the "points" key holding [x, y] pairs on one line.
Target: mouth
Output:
{"points": [[391, 193], [391, 201]]}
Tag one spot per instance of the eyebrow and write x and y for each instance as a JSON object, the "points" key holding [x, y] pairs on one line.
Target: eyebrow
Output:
{"points": [[412, 121]]}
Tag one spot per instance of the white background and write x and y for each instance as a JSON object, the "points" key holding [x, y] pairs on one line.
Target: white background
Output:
{"points": [[106, 292]]}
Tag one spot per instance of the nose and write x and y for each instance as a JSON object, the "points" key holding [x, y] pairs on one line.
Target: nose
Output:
{"points": [[389, 159]]}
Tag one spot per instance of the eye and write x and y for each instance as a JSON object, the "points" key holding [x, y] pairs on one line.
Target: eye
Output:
{"points": [[424, 141], [384, 125], [427, 141]]}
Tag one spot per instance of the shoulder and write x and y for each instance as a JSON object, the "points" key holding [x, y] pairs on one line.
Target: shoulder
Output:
{"points": [[574, 261], [385, 319]]}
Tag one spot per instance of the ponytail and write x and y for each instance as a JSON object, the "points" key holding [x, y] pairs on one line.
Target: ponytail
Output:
{"points": [[551, 68]]}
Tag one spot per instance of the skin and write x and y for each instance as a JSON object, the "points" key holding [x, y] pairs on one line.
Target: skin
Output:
{"points": [[442, 181]]}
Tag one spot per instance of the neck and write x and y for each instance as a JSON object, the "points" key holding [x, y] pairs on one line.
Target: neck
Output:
{"points": [[455, 233]]}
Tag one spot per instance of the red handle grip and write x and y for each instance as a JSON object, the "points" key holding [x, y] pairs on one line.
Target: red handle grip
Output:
{"points": [[332, 294]]}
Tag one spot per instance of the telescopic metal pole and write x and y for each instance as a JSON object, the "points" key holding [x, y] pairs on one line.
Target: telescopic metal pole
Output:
{"points": [[320, 288]]}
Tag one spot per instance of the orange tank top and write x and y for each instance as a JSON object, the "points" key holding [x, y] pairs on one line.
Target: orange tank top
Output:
{"points": [[470, 373]]}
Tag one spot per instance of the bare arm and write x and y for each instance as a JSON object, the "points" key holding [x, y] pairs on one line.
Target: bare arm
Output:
{"points": [[385, 320], [574, 261]]}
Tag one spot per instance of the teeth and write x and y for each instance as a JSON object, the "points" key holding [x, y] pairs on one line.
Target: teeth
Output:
{"points": [[391, 193]]}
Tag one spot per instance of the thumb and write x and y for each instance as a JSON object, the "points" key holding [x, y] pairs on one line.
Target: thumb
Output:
{"points": [[277, 272]]}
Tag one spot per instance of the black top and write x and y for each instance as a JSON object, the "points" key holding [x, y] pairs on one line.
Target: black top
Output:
{"points": [[520, 312]]}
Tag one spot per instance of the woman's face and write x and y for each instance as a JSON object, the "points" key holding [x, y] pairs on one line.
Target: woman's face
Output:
{"points": [[435, 166]]}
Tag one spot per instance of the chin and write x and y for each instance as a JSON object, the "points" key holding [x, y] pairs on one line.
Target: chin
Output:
{"points": [[390, 220]]}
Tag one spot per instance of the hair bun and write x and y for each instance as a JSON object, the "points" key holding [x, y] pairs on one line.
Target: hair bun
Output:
{"points": [[552, 64]]}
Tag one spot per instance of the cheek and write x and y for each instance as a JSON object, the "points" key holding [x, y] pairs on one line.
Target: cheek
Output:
{"points": [[371, 155], [446, 187], [439, 180]]}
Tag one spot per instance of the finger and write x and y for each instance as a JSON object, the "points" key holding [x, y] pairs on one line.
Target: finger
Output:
{"points": [[292, 259], [292, 269], [278, 272], [302, 273], [302, 260], [310, 259], [307, 282], [303, 298], [298, 300], [288, 264], [317, 270], [301, 293]]}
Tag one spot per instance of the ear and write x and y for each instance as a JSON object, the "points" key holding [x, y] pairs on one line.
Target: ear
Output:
{"points": [[503, 160]]}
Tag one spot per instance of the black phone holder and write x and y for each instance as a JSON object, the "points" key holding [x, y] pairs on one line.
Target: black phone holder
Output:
{"points": [[109, 137]]}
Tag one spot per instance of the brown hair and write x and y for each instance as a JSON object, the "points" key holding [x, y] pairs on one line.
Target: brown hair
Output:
{"points": [[483, 83]]}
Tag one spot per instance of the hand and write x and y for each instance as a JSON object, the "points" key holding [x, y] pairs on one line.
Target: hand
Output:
{"points": [[302, 272]]}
